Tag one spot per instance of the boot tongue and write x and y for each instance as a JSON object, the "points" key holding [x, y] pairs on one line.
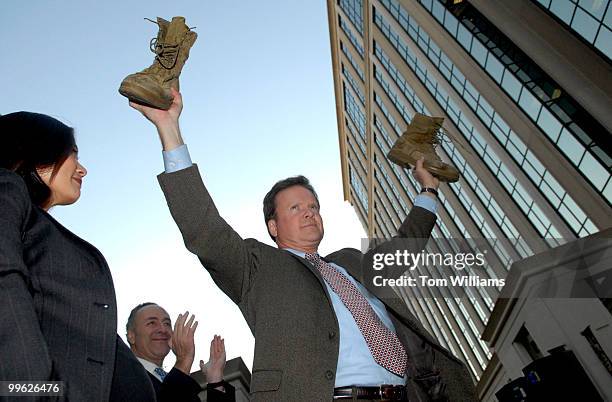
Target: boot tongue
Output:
{"points": [[176, 31], [163, 28]]}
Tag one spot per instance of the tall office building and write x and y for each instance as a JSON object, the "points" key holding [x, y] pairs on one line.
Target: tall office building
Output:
{"points": [[525, 87]]}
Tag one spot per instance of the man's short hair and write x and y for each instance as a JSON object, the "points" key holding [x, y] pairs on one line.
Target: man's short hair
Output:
{"points": [[130, 322], [269, 202]]}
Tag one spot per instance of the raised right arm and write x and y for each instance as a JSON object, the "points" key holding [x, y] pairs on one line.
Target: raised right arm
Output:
{"points": [[220, 249], [231, 263]]}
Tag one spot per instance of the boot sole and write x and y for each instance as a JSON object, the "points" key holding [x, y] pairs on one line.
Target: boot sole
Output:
{"points": [[445, 173], [142, 96]]}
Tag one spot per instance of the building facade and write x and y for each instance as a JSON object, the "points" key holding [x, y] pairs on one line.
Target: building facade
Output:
{"points": [[526, 91], [551, 328]]}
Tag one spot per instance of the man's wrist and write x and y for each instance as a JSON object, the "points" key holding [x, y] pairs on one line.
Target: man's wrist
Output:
{"points": [[214, 376], [170, 136], [430, 185], [184, 365]]}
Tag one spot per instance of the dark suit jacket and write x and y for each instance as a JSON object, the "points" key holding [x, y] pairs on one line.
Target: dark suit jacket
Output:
{"points": [[285, 303], [179, 387], [57, 306]]}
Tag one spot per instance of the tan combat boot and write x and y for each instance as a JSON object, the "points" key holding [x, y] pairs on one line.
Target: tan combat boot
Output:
{"points": [[419, 140], [151, 86]]}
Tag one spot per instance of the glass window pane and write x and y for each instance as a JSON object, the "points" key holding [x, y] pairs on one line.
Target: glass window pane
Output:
{"points": [[608, 19], [550, 195], [466, 125], [590, 227], [604, 40], [570, 146], [505, 171], [438, 11], [531, 172], [450, 22], [563, 9], [585, 25], [478, 147], [470, 100], [530, 104], [487, 108], [517, 141], [498, 133], [554, 185], [511, 85], [535, 163], [521, 203], [578, 213], [457, 83], [504, 182], [523, 76], [501, 124], [580, 134], [603, 156], [484, 116], [495, 68], [594, 171], [445, 70], [457, 73], [595, 7], [479, 52], [470, 88], [433, 48], [608, 191], [464, 37], [560, 113], [549, 124], [534, 218], [569, 217]]}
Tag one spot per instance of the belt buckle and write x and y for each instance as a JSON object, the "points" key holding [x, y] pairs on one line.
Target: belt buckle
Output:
{"points": [[392, 392]]}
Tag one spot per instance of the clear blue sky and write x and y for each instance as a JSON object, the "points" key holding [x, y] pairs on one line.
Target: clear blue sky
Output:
{"points": [[259, 106]]}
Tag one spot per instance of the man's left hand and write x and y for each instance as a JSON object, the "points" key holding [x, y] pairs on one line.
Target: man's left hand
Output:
{"points": [[424, 177], [216, 363]]}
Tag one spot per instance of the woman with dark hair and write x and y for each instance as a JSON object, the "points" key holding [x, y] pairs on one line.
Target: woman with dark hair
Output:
{"points": [[57, 301]]}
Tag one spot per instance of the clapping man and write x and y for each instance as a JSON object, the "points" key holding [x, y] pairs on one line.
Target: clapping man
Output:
{"points": [[151, 337]]}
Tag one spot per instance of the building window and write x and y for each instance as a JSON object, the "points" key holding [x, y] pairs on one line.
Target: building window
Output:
{"points": [[527, 349]]}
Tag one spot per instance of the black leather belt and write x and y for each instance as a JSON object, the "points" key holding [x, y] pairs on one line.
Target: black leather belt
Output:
{"points": [[383, 392]]}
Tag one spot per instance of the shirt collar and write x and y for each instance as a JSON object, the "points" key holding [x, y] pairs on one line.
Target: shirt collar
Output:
{"points": [[296, 252], [150, 367]]}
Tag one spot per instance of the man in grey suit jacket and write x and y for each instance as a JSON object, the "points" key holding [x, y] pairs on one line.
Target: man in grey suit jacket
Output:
{"points": [[310, 342]]}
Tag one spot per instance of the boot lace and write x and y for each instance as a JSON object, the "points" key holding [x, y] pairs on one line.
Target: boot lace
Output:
{"points": [[441, 136], [165, 53]]}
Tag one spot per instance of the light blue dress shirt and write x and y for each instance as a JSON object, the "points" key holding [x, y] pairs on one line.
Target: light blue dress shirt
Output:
{"points": [[356, 366], [176, 159]]}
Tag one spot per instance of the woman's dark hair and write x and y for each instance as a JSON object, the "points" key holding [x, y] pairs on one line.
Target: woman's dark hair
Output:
{"points": [[30, 141]]}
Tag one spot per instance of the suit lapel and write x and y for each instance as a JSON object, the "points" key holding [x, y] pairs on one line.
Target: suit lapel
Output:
{"points": [[314, 271], [394, 305]]}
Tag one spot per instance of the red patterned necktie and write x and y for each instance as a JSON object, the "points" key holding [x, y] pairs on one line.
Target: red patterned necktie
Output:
{"points": [[383, 343]]}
